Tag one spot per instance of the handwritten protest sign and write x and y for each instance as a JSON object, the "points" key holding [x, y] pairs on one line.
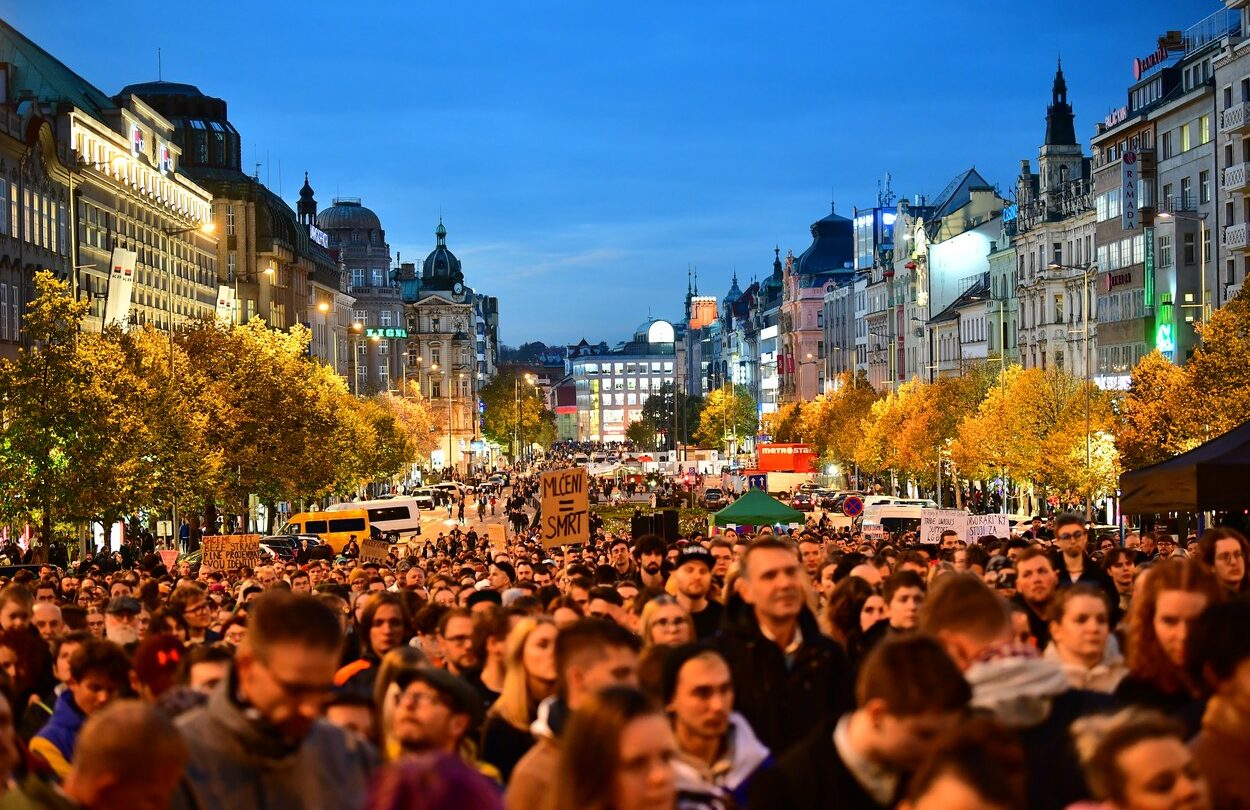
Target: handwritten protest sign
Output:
{"points": [[498, 536], [228, 552], [935, 521], [981, 525], [373, 551], [565, 507]]}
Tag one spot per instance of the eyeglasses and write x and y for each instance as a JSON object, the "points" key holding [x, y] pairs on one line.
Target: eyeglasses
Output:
{"points": [[459, 641], [1077, 535], [1229, 557]]}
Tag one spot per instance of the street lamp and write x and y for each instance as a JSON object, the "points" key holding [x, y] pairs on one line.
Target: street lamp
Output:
{"points": [[1201, 219], [1086, 271]]}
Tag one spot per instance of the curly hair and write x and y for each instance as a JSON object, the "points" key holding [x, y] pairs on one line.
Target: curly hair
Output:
{"points": [[1146, 658]]}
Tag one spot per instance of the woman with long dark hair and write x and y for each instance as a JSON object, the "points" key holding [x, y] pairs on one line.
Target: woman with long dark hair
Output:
{"points": [[384, 625], [1225, 551]]}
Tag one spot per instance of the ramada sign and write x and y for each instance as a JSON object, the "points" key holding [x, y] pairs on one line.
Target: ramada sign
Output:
{"points": [[1166, 43]]}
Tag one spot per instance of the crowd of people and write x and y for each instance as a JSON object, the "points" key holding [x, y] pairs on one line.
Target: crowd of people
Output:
{"points": [[804, 668]]}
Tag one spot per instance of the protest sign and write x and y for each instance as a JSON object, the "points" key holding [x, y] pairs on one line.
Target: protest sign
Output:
{"points": [[497, 535], [565, 507], [169, 556], [373, 551], [229, 552], [935, 521], [981, 525]]}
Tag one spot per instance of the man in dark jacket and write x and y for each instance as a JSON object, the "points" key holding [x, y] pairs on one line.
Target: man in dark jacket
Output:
{"points": [[909, 693], [1076, 567], [260, 741], [790, 678]]}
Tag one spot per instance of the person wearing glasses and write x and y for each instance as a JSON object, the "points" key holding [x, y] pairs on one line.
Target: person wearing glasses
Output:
{"points": [[1075, 565], [261, 741], [1224, 551]]}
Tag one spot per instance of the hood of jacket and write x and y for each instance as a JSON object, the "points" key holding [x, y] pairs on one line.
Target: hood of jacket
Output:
{"points": [[1101, 677], [264, 743], [550, 718], [748, 754], [64, 724], [1016, 685]]}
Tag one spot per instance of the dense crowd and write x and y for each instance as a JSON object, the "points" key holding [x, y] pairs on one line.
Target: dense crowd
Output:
{"points": [[807, 668]]}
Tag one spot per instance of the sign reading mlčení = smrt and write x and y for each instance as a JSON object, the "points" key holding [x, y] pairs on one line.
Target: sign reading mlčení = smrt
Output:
{"points": [[565, 507]]}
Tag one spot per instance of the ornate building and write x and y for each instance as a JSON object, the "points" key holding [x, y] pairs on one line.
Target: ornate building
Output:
{"points": [[356, 240], [442, 357], [1054, 243]]}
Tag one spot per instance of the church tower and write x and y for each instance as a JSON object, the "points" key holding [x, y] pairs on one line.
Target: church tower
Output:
{"points": [[1060, 160]]}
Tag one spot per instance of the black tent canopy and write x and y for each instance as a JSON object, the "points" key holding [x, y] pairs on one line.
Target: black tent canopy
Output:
{"points": [[1214, 476]]}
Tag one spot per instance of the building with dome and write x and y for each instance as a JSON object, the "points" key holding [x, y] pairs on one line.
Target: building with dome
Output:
{"points": [[356, 239], [613, 384], [451, 350], [275, 264]]}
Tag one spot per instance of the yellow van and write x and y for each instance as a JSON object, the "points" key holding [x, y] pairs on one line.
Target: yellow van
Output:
{"points": [[334, 528]]}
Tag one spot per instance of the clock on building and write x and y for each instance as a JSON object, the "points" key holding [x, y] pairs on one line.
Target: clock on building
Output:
{"points": [[457, 288]]}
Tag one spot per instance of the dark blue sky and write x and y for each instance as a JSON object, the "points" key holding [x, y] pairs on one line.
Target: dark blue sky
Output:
{"points": [[583, 154]]}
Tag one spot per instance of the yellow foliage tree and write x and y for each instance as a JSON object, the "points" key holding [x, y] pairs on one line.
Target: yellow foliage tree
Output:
{"points": [[1156, 419]]}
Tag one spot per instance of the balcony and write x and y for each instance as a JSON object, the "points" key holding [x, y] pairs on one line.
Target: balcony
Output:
{"points": [[1235, 118], [1235, 177], [1237, 237]]}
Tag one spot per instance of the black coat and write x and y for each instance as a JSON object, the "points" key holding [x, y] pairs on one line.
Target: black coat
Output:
{"points": [[784, 704], [811, 776]]}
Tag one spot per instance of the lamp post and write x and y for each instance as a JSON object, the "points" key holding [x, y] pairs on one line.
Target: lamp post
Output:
{"points": [[1086, 271]]}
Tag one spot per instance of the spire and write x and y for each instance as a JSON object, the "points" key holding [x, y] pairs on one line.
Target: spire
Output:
{"points": [[1060, 129], [441, 233], [777, 259], [307, 205]]}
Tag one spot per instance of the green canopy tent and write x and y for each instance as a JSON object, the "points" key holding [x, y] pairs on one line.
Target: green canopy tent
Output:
{"points": [[757, 508]]}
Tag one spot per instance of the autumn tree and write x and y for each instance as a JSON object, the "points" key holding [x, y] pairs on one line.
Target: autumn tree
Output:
{"points": [[787, 424], [834, 422], [1156, 415], [1219, 371], [515, 410], [727, 412]]}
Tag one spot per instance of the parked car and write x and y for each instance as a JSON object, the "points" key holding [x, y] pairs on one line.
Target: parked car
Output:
{"points": [[284, 547], [802, 501], [824, 499], [424, 496], [712, 498]]}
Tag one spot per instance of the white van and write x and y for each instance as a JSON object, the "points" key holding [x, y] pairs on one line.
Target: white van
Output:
{"points": [[399, 517], [894, 517]]}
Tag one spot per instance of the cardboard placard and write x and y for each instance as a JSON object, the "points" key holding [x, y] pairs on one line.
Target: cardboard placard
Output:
{"points": [[498, 536], [565, 507], [373, 551], [981, 525], [935, 521], [229, 552]]}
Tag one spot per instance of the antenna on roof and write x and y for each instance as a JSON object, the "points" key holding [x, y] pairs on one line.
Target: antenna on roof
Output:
{"points": [[160, 76], [279, 178]]}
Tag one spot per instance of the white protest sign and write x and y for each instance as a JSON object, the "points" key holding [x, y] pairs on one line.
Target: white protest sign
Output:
{"points": [[935, 521], [981, 525]]}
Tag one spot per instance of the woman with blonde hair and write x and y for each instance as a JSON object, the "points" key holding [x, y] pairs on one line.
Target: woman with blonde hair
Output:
{"points": [[529, 678]]}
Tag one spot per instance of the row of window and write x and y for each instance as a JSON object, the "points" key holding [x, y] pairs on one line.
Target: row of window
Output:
{"points": [[43, 221], [10, 311], [1120, 359], [623, 368], [1126, 305], [1122, 253]]}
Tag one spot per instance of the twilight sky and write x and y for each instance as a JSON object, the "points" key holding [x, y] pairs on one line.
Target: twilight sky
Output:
{"points": [[583, 154]]}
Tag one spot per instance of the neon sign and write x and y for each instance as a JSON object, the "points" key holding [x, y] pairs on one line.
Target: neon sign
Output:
{"points": [[1164, 341]]}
